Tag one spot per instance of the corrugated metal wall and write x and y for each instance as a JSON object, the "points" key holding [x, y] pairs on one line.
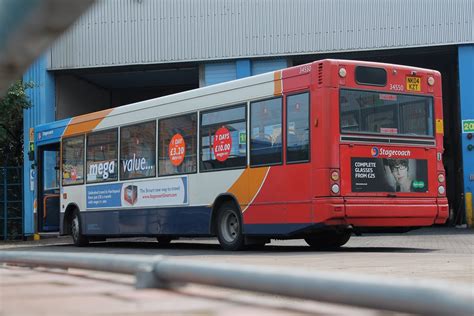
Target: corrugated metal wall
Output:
{"points": [[466, 95], [42, 111], [263, 66], [225, 71], [219, 72], [124, 32]]}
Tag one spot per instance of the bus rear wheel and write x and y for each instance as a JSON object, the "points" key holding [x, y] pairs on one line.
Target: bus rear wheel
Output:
{"points": [[163, 240], [229, 228], [76, 231], [328, 239]]}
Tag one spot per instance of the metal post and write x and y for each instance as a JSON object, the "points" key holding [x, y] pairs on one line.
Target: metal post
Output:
{"points": [[5, 203], [20, 185], [469, 217]]}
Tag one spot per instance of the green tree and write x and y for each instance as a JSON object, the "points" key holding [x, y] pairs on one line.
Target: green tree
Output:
{"points": [[12, 105]]}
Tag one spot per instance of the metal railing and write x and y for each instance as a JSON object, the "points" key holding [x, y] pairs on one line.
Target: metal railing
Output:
{"points": [[11, 203], [420, 297]]}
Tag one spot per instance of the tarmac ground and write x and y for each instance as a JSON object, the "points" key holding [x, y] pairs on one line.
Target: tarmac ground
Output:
{"points": [[440, 254]]}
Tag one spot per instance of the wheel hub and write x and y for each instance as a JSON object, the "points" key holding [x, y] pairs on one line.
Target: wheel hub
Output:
{"points": [[230, 227]]}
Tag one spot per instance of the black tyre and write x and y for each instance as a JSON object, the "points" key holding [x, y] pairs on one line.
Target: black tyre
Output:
{"points": [[256, 243], [163, 240], [76, 231], [328, 239], [229, 227]]}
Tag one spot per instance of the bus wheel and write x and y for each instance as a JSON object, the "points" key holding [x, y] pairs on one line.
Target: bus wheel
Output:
{"points": [[328, 239], [163, 240], [229, 228], [77, 237]]}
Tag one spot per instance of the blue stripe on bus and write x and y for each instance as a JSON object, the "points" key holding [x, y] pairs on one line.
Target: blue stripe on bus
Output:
{"points": [[182, 221], [177, 221]]}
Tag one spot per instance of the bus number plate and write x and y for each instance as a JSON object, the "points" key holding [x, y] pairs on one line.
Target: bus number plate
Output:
{"points": [[413, 83]]}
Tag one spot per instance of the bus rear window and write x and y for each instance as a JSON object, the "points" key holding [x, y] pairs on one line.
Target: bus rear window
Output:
{"points": [[385, 113]]}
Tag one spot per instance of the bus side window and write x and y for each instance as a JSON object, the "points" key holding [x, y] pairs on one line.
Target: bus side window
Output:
{"points": [[265, 132], [101, 156], [73, 160], [223, 135], [297, 128], [138, 151], [177, 148]]}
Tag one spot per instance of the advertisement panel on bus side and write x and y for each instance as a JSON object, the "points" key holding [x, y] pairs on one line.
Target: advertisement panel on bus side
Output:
{"points": [[148, 193]]}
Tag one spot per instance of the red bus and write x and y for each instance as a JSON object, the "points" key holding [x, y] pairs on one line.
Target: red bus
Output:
{"points": [[317, 151]]}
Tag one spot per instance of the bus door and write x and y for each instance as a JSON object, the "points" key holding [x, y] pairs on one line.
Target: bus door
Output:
{"points": [[48, 204]]}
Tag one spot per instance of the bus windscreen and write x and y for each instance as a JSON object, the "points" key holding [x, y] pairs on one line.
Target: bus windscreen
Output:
{"points": [[377, 112]]}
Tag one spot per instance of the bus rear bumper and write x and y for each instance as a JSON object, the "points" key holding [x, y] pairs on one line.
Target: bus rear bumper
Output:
{"points": [[383, 212]]}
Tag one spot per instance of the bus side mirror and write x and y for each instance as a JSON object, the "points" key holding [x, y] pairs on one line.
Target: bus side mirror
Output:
{"points": [[31, 155]]}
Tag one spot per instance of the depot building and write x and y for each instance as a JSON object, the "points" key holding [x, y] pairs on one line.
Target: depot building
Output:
{"points": [[124, 51]]}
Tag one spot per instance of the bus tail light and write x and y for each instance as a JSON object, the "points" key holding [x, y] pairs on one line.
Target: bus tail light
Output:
{"points": [[441, 190], [335, 187]]}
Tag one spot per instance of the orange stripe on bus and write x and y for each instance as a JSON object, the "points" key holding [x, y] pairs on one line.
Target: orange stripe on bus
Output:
{"points": [[277, 88], [248, 185], [85, 123]]}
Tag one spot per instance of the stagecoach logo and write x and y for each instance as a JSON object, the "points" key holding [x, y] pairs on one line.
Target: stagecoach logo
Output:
{"points": [[45, 134], [389, 153], [374, 151]]}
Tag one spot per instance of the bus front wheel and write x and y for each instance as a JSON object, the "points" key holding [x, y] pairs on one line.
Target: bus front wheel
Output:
{"points": [[328, 239], [77, 237], [229, 228]]}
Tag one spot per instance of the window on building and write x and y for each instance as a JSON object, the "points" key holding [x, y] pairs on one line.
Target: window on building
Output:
{"points": [[138, 151], [297, 128], [265, 132], [102, 163], [223, 135], [73, 160], [177, 149]]}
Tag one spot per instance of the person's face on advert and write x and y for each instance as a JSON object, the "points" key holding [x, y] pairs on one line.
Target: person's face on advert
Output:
{"points": [[400, 172]]}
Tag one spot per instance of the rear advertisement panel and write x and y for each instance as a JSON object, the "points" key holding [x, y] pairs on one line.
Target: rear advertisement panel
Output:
{"points": [[389, 170]]}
